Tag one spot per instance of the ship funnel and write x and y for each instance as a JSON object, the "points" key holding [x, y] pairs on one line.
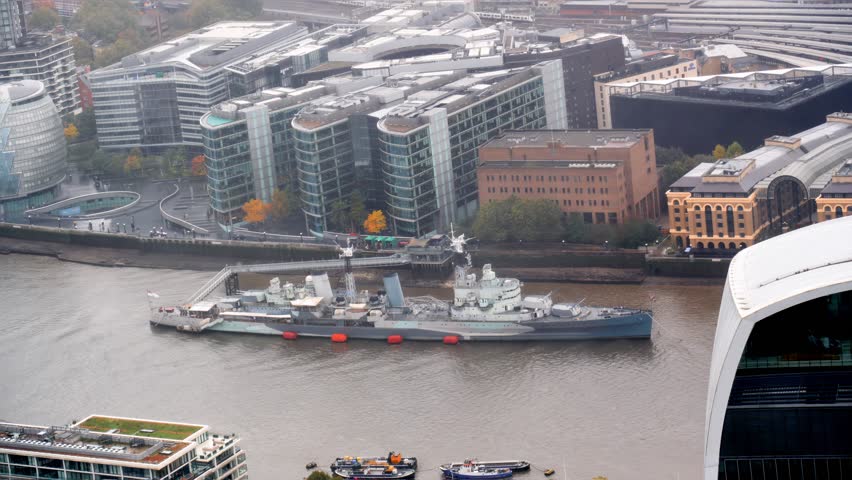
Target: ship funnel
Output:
{"points": [[394, 290], [322, 286]]}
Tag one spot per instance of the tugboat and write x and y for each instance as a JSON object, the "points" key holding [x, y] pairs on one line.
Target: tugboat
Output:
{"points": [[471, 470], [388, 472], [393, 459], [513, 465]]}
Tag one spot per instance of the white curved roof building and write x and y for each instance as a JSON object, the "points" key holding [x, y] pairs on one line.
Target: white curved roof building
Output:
{"points": [[779, 400]]}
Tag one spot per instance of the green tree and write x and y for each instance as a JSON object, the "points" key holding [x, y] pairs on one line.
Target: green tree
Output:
{"points": [[85, 123], [283, 204], [357, 208], [205, 12], [734, 150], [517, 219], [44, 18], [339, 215], [83, 52], [106, 19], [668, 156], [720, 152], [319, 475], [129, 41]]}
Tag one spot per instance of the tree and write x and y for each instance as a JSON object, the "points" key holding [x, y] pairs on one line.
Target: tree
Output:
{"points": [[129, 41], [83, 52], [518, 219], [734, 150], [85, 124], [255, 211], [283, 204], [357, 209], [199, 168], [339, 215], [319, 475], [205, 12], [720, 152], [71, 132], [375, 222], [133, 162], [106, 19], [668, 156], [44, 18]]}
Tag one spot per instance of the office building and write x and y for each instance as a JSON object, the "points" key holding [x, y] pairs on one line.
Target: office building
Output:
{"points": [[654, 67], [13, 26], [735, 203], [462, 43], [607, 176], [429, 144], [248, 148], [101, 447], [276, 67], [154, 99], [32, 148], [835, 200], [67, 8], [48, 59], [697, 114], [779, 399]]}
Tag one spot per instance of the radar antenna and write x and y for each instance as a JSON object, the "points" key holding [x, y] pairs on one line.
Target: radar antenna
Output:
{"points": [[461, 259], [346, 253]]}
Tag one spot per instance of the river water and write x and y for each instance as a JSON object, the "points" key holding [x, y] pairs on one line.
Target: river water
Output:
{"points": [[75, 341]]}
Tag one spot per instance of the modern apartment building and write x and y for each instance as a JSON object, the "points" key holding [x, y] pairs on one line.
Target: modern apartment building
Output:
{"points": [[155, 98], [735, 203], [32, 148], [697, 114], [48, 59], [342, 135], [656, 67], [101, 447], [67, 8], [607, 176], [430, 143], [779, 399], [13, 26], [248, 148]]}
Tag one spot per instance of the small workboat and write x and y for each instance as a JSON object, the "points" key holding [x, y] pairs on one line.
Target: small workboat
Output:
{"points": [[388, 472], [471, 470], [513, 465], [392, 458]]}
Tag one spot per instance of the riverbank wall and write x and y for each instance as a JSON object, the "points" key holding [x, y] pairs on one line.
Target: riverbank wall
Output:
{"points": [[542, 262]]}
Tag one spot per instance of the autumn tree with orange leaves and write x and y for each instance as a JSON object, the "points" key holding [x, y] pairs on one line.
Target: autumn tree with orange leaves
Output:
{"points": [[256, 211], [375, 222], [199, 168]]}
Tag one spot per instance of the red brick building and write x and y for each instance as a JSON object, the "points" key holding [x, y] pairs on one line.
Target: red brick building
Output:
{"points": [[607, 176]]}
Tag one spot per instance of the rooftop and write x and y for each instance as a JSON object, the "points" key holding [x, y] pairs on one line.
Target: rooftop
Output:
{"points": [[215, 45], [140, 428], [566, 164], [568, 138], [76, 441], [21, 89]]}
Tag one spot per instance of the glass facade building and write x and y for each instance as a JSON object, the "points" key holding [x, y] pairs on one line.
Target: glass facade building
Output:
{"points": [[155, 99], [33, 155], [12, 23], [779, 402], [49, 60], [84, 452], [249, 149], [789, 413], [429, 156]]}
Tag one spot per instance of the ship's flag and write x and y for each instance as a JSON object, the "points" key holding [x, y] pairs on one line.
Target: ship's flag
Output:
{"points": [[152, 294]]}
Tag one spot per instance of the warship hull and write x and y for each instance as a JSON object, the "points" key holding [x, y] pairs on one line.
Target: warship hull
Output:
{"points": [[637, 325]]}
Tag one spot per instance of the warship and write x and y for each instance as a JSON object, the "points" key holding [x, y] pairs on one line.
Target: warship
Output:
{"points": [[484, 308]]}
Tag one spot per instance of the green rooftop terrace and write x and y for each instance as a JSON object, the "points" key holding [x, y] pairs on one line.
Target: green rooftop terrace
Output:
{"points": [[140, 428]]}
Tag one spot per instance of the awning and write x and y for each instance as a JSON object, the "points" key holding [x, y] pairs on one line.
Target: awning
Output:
{"points": [[370, 238]]}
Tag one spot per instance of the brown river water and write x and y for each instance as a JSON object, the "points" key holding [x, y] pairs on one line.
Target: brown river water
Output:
{"points": [[76, 341]]}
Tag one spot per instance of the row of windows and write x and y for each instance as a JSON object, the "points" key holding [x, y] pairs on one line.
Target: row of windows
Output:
{"points": [[549, 178]]}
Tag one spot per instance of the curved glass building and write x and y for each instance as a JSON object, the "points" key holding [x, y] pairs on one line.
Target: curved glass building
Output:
{"points": [[779, 403], [33, 156]]}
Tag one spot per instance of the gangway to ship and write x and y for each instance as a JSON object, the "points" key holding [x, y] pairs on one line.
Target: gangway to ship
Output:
{"points": [[230, 271]]}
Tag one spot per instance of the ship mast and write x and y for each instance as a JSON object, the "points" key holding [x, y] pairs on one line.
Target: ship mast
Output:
{"points": [[346, 254], [461, 260]]}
